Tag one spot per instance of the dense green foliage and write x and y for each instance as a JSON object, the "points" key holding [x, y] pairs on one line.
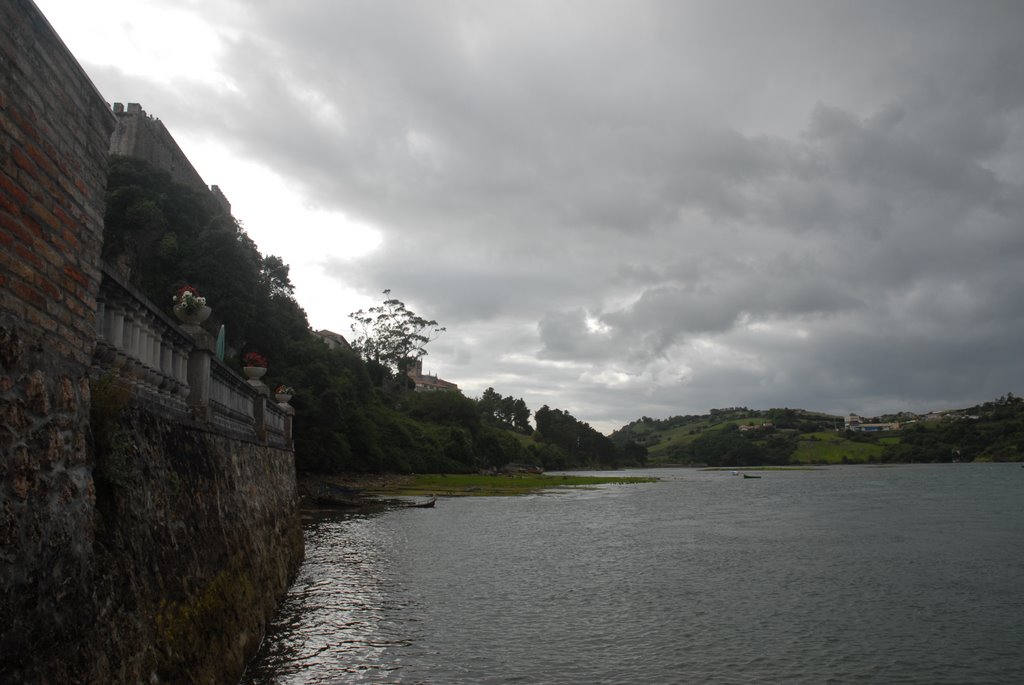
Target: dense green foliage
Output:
{"points": [[353, 412], [575, 438], [166, 235]]}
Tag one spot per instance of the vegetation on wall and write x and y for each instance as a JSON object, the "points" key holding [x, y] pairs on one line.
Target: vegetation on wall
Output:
{"points": [[113, 475]]}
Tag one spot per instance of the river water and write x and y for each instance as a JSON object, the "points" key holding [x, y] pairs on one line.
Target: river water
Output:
{"points": [[901, 574]]}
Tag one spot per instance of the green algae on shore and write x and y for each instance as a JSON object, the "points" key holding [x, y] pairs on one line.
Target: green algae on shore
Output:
{"points": [[458, 485]]}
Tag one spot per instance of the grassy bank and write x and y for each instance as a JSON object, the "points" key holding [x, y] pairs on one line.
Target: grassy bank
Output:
{"points": [[455, 485], [762, 468]]}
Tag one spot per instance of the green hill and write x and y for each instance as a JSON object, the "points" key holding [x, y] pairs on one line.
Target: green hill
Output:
{"points": [[738, 436]]}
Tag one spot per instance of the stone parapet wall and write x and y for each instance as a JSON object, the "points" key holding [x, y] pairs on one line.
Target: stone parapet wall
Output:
{"points": [[145, 137], [199, 537]]}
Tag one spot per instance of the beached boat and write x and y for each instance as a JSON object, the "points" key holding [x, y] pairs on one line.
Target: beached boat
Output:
{"points": [[429, 504]]}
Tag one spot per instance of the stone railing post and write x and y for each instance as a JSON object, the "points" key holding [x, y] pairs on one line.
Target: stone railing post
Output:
{"points": [[199, 384], [199, 372], [259, 412], [289, 413]]}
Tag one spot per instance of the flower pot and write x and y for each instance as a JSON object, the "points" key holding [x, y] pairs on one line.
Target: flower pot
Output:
{"points": [[194, 317], [283, 397], [254, 373]]}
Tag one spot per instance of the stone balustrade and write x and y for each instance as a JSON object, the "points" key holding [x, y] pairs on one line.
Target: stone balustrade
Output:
{"points": [[173, 371], [231, 401]]}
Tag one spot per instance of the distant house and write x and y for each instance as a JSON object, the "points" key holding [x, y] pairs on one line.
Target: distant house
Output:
{"points": [[333, 340], [427, 382], [876, 427], [856, 423]]}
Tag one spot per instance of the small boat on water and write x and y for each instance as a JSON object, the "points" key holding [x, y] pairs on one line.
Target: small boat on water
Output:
{"points": [[429, 504], [747, 475]]}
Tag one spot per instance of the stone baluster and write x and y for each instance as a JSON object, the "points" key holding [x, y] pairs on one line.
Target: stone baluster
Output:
{"points": [[169, 387], [104, 353], [132, 366], [150, 339], [163, 379], [180, 361], [259, 406], [144, 351], [289, 413], [115, 332]]}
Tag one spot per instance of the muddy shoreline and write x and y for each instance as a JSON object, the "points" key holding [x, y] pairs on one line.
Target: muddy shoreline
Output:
{"points": [[350, 490]]}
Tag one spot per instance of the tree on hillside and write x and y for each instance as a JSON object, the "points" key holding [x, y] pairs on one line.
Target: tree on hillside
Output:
{"points": [[582, 444], [391, 336], [489, 403], [521, 416], [274, 277], [507, 411]]}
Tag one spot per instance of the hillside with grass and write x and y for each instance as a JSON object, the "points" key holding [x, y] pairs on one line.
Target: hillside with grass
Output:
{"points": [[738, 436]]}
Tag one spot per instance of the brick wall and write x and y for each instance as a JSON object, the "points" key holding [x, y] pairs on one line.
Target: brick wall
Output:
{"points": [[54, 132]]}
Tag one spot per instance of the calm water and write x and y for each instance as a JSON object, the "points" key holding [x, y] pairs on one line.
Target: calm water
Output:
{"points": [[905, 574]]}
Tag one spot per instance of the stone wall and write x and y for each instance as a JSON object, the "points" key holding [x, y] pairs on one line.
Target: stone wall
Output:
{"points": [[143, 136], [198, 536], [54, 132], [133, 548]]}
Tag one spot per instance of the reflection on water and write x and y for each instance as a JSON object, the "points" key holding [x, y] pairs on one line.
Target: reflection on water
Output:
{"points": [[344, 610], [855, 574]]}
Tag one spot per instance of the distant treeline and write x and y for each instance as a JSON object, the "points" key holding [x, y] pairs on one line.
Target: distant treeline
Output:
{"points": [[350, 415]]}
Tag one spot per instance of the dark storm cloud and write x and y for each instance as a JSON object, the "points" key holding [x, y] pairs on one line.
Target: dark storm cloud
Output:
{"points": [[659, 207]]}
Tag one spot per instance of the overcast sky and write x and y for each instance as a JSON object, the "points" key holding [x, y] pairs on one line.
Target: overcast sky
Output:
{"points": [[620, 208]]}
